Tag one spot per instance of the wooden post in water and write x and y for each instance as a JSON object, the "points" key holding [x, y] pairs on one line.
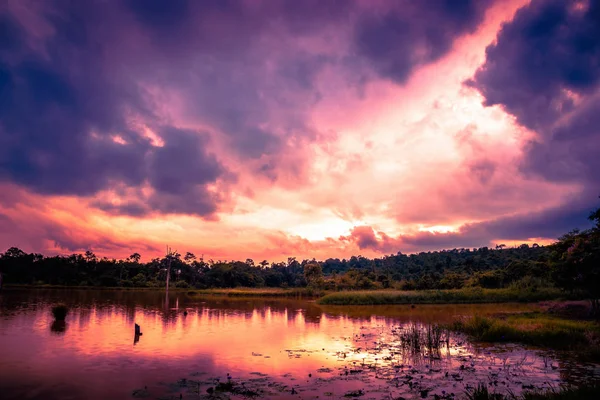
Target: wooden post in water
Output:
{"points": [[137, 334]]}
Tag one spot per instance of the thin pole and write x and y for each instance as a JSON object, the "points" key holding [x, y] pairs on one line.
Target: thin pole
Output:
{"points": [[168, 266]]}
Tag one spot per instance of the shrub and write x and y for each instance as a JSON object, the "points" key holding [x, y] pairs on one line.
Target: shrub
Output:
{"points": [[60, 312], [139, 280], [126, 283]]}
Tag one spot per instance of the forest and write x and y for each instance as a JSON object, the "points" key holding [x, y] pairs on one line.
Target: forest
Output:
{"points": [[572, 263]]}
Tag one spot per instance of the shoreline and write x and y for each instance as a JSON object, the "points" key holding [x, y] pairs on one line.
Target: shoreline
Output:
{"points": [[473, 295]]}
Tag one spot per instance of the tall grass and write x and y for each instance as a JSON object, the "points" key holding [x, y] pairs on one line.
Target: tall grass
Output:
{"points": [[410, 339], [423, 341], [481, 392], [466, 295], [534, 329]]}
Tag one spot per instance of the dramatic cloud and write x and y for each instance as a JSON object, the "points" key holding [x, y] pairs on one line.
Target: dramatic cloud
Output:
{"points": [[543, 69], [522, 228], [59, 227], [270, 129], [412, 34]]}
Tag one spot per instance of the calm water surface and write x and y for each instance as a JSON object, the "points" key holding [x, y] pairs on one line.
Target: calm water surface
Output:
{"points": [[276, 348]]}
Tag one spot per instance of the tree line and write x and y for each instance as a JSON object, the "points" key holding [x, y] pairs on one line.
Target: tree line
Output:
{"points": [[572, 263]]}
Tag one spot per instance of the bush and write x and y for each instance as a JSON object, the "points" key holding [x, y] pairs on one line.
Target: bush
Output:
{"points": [[60, 312], [139, 280], [154, 283], [126, 283]]}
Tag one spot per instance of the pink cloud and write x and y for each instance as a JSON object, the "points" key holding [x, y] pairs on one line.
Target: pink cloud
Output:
{"points": [[272, 129]]}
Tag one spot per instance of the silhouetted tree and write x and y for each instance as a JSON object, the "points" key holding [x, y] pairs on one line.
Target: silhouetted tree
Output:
{"points": [[135, 257]]}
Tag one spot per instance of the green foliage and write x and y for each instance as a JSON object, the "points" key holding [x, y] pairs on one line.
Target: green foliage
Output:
{"points": [[139, 280], [313, 274], [575, 260], [126, 283]]}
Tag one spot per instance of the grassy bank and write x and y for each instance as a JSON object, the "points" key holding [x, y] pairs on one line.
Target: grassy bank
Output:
{"points": [[537, 329], [108, 288], [467, 295], [372, 297], [259, 292], [235, 292]]}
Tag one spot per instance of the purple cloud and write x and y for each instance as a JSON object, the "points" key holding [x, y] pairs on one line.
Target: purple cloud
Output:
{"points": [[543, 69], [82, 73], [545, 58], [415, 33]]}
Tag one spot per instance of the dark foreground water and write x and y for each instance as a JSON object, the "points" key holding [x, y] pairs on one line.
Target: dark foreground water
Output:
{"points": [[270, 348]]}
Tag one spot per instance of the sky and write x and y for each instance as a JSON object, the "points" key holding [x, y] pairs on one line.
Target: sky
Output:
{"points": [[278, 128]]}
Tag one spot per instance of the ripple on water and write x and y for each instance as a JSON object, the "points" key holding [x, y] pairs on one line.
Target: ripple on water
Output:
{"points": [[406, 362], [369, 352]]}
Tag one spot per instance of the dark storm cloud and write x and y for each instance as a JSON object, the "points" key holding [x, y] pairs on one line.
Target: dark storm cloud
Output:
{"points": [[415, 33], [544, 69], [75, 78], [179, 173], [161, 14], [61, 110], [549, 47], [50, 107]]}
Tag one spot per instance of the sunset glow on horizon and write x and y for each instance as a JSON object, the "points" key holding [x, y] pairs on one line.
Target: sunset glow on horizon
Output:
{"points": [[309, 129]]}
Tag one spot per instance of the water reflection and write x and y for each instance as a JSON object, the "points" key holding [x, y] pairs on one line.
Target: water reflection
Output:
{"points": [[58, 327], [201, 339]]}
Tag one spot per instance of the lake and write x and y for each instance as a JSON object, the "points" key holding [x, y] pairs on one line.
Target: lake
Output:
{"points": [[236, 348]]}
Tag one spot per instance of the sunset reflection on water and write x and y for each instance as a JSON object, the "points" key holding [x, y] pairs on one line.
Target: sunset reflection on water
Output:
{"points": [[94, 354]]}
